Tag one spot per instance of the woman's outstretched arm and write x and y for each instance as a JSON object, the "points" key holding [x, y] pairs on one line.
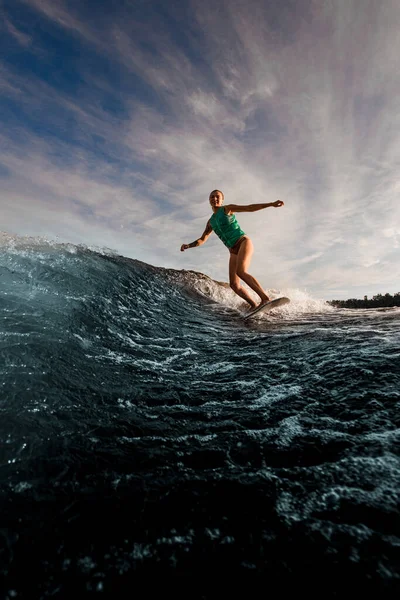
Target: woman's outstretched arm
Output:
{"points": [[232, 208], [204, 237]]}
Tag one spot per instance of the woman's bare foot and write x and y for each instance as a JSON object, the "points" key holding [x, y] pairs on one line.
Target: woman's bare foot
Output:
{"points": [[264, 300], [252, 305]]}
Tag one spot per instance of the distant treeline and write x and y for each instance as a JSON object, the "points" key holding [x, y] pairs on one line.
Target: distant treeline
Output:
{"points": [[374, 302]]}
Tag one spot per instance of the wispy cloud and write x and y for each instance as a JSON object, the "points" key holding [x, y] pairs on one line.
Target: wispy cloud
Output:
{"points": [[296, 101], [22, 38], [63, 14]]}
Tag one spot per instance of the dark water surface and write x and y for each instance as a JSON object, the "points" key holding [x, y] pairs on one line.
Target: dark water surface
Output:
{"points": [[147, 431]]}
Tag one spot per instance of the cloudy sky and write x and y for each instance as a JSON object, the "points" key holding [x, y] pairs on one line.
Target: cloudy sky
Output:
{"points": [[117, 119]]}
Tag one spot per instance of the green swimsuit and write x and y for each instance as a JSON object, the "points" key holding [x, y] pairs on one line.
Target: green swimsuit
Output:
{"points": [[226, 227]]}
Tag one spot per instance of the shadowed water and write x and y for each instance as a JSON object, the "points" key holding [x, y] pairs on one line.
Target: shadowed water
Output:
{"points": [[146, 429]]}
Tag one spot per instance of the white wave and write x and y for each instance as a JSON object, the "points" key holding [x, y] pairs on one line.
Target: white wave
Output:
{"points": [[219, 292], [20, 244]]}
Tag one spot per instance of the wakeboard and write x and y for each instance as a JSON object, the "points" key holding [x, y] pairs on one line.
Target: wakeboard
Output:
{"points": [[267, 306]]}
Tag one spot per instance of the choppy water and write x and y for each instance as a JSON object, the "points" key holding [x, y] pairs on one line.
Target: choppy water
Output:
{"points": [[147, 430]]}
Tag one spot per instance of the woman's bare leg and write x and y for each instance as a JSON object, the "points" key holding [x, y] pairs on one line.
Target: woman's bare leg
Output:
{"points": [[242, 264], [234, 282]]}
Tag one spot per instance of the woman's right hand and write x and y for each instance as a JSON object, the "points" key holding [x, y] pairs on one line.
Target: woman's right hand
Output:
{"points": [[184, 247]]}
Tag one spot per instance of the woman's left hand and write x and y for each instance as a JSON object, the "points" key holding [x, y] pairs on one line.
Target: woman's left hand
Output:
{"points": [[278, 203]]}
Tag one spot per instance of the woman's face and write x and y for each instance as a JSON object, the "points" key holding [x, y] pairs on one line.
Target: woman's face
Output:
{"points": [[216, 199]]}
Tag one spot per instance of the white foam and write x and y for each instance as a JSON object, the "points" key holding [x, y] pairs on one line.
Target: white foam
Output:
{"points": [[301, 303], [21, 244]]}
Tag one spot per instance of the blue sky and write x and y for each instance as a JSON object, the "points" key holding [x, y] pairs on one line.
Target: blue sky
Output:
{"points": [[117, 119]]}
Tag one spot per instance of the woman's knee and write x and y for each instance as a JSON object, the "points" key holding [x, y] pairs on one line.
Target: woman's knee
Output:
{"points": [[235, 286], [241, 272]]}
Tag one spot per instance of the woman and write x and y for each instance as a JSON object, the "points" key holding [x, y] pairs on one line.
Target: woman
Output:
{"points": [[240, 246]]}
